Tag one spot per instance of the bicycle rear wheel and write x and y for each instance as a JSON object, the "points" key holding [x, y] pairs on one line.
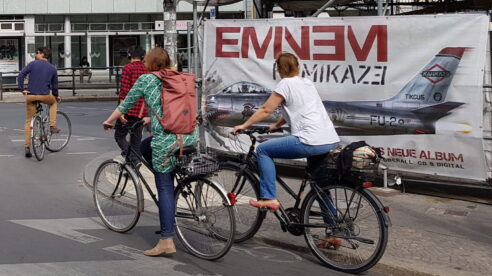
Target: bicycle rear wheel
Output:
{"points": [[347, 231], [58, 141], [244, 187], [204, 219], [116, 196], [37, 137]]}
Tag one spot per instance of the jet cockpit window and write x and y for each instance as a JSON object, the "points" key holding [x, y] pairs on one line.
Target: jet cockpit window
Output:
{"points": [[245, 88]]}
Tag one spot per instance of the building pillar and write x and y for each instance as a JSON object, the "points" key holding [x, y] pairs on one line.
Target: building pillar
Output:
{"points": [[67, 51], [107, 51], [29, 31], [89, 49], [148, 42], [170, 33]]}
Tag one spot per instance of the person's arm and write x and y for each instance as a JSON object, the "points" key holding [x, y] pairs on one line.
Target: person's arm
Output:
{"points": [[280, 122], [54, 85], [22, 75], [135, 93], [264, 111]]}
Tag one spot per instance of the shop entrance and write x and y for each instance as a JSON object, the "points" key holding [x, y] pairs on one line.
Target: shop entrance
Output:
{"points": [[118, 46]]}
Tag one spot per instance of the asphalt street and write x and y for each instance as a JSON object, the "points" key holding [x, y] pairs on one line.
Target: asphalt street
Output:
{"points": [[49, 226]]}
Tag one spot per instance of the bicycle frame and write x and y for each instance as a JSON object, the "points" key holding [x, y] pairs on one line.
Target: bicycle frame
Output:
{"points": [[248, 161], [44, 120], [179, 178]]}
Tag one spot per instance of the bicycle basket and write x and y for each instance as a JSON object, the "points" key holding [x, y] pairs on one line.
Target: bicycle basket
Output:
{"points": [[196, 164]]}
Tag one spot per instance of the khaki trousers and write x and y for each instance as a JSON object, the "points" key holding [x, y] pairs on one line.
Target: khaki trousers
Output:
{"points": [[31, 110]]}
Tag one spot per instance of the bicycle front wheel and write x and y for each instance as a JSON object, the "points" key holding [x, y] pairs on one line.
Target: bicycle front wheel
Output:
{"points": [[204, 219], [116, 196], [38, 137], [243, 186], [57, 141], [346, 229]]}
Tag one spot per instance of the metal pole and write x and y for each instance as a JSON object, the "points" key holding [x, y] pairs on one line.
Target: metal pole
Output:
{"points": [[117, 80], [73, 82], [170, 34], [188, 45], [195, 38], [1, 86], [380, 7], [323, 8]]}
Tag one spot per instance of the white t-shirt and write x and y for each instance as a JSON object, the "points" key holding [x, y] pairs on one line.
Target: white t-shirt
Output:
{"points": [[305, 113]]}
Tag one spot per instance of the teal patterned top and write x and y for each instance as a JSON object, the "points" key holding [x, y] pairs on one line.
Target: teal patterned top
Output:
{"points": [[149, 86]]}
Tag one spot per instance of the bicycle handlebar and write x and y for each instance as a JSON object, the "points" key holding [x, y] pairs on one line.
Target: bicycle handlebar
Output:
{"points": [[259, 130], [134, 125]]}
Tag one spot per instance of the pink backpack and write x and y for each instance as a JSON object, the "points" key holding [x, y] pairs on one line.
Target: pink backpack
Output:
{"points": [[178, 101]]}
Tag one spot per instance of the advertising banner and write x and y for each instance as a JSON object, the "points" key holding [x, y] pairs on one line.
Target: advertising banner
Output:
{"points": [[411, 85], [9, 55]]}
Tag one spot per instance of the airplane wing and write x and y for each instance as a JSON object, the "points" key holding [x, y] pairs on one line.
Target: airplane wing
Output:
{"points": [[350, 131], [436, 111]]}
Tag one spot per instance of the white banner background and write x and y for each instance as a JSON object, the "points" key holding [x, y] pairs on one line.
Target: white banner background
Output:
{"points": [[454, 150]]}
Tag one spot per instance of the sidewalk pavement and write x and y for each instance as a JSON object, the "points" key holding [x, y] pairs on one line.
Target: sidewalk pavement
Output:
{"points": [[429, 236], [67, 95]]}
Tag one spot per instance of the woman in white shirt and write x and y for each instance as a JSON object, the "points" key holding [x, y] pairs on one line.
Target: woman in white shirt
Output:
{"points": [[312, 132]]}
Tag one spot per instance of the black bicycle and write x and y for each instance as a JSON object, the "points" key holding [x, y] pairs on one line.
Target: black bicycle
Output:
{"points": [[41, 136], [204, 221], [344, 224]]}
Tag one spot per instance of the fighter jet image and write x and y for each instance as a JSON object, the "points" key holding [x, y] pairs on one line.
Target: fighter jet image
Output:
{"points": [[415, 109]]}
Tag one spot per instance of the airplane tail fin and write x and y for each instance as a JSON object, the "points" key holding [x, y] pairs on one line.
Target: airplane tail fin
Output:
{"points": [[430, 85], [436, 111]]}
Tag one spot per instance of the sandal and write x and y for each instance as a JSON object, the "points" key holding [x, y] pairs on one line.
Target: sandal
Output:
{"points": [[328, 242], [271, 204]]}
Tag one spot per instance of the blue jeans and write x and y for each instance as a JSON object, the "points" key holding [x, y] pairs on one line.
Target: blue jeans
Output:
{"points": [[165, 192], [289, 147]]}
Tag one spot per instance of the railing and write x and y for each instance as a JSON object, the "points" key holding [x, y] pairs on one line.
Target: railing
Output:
{"points": [[102, 78], [96, 27]]}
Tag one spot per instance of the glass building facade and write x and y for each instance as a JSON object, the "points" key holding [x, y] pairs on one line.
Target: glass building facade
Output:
{"points": [[101, 30]]}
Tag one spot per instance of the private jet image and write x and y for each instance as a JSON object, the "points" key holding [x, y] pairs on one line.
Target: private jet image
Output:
{"points": [[415, 109]]}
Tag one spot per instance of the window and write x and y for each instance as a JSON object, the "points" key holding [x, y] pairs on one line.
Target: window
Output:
{"points": [[6, 26], [19, 26]]}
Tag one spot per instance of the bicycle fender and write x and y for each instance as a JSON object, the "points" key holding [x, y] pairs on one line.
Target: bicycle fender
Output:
{"points": [[222, 191], [386, 217]]}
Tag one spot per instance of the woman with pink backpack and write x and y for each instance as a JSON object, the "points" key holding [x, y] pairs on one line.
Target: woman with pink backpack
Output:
{"points": [[170, 133]]}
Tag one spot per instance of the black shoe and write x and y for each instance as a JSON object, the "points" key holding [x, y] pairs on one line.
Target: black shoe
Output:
{"points": [[28, 152], [54, 130]]}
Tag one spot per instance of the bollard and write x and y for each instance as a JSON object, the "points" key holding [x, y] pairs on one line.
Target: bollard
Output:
{"points": [[1, 86], [117, 80], [73, 82]]}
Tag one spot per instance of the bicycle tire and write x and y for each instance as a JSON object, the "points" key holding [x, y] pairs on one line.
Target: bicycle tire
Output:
{"points": [[245, 187], [352, 229], [58, 141], [37, 138], [205, 222], [117, 195]]}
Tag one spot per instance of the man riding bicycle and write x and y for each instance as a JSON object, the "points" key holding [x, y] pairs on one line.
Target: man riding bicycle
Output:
{"points": [[42, 78]]}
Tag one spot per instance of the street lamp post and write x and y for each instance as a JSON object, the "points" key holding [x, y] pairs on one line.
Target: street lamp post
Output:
{"points": [[170, 34]]}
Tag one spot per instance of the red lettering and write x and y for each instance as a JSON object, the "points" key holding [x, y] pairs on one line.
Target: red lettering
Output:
{"points": [[220, 42], [277, 42], [338, 42], [249, 33], [301, 51], [379, 32]]}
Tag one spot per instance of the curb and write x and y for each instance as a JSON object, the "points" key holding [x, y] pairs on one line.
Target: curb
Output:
{"points": [[68, 99]]}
